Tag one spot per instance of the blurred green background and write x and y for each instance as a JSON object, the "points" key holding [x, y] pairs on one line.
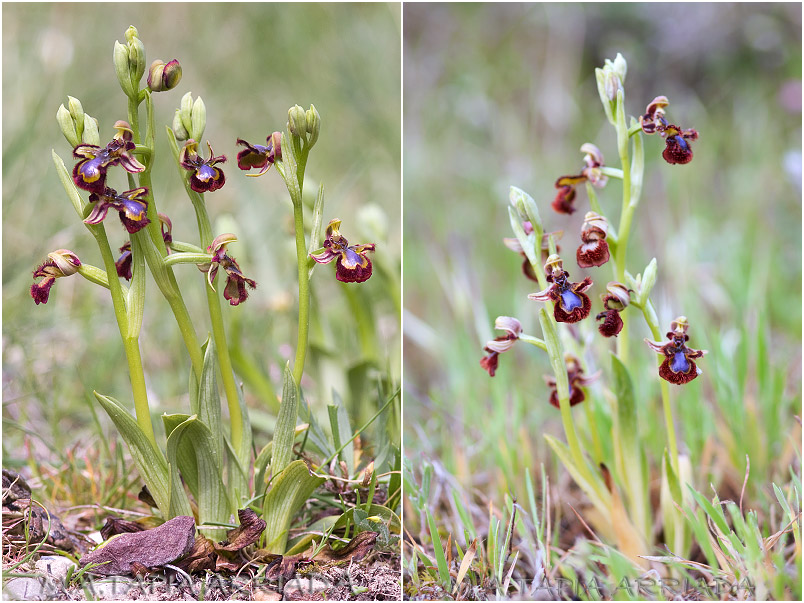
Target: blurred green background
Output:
{"points": [[505, 94], [250, 63]]}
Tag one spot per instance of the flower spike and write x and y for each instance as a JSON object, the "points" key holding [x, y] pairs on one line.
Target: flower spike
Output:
{"points": [[353, 264], [678, 366]]}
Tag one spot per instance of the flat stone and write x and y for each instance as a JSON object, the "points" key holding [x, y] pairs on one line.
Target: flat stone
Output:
{"points": [[55, 566], [25, 589], [299, 588]]}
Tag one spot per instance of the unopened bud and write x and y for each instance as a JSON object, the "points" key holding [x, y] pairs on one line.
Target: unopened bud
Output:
{"points": [[121, 68], [77, 113], [198, 119], [67, 126], [179, 131], [620, 67], [313, 120], [297, 122], [91, 134], [163, 76]]}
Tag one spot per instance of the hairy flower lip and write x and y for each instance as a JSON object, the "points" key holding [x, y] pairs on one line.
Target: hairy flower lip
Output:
{"points": [[571, 304], [352, 263], [89, 173], [205, 176], [678, 366]]}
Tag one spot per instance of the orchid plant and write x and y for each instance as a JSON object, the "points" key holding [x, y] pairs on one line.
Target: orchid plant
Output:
{"points": [[566, 301], [206, 469]]}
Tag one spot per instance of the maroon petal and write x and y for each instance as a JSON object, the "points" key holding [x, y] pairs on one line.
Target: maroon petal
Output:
{"points": [[351, 270], [612, 323], [41, 291], [577, 314], [594, 253], [490, 362], [678, 151]]}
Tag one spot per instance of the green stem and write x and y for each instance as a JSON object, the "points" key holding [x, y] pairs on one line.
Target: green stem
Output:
{"points": [[302, 339], [653, 324], [130, 344], [626, 217], [218, 329]]}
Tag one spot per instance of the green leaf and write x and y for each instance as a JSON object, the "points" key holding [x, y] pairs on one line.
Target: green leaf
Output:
{"points": [[626, 406], [214, 504], [285, 432], [150, 462], [381, 511], [438, 549], [240, 460], [563, 453], [673, 482], [185, 455], [341, 430], [209, 399], [288, 492]]}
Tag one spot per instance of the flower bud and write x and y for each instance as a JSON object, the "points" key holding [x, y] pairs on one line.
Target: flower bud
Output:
{"points": [[297, 122], [163, 76], [368, 472], [179, 131], [67, 126], [526, 207], [198, 119], [77, 114], [647, 282], [91, 134], [620, 67], [121, 69], [136, 56], [186, 111], [313, 120]]}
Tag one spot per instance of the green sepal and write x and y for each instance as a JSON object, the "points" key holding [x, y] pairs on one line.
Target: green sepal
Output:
{"points": [[288, 492], [94, 275], [285, 431], [69, 186], [289, 170]]}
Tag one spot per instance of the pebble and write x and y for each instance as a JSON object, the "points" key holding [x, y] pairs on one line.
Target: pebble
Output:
{"points": [[55, 566]]}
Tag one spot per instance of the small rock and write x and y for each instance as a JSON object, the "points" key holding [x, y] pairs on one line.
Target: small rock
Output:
{"points": [[299, 589], [55, 566], [25, 589], [266, 594], [112, 588]]}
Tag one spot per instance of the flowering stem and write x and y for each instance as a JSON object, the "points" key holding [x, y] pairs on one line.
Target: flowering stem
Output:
{"points": [[302, 339], [155, 251], [218, 329], [626, 216], [130, 343]]}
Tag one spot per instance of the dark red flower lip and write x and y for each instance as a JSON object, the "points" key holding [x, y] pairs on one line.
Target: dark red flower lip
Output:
{"points": [[575, 380], [678, 366], [571, 304], [205, 176], [352, 262]]}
